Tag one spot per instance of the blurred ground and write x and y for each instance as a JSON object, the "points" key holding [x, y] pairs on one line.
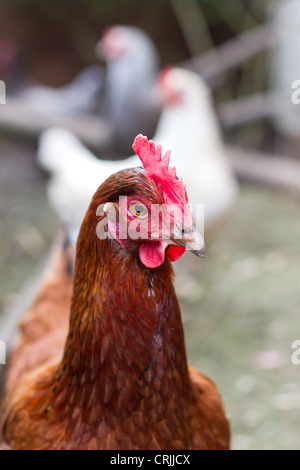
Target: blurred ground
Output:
{"points": [[27, 225], [240, 305]]}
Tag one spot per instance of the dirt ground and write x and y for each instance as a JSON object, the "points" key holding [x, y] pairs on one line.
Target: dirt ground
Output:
{"points": [[240, 305]]}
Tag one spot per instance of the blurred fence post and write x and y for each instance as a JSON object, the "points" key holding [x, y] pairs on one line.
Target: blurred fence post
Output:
{"points": [[215, 63]]}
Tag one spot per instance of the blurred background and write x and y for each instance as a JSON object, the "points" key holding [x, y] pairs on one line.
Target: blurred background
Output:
{"points": [[240, 306]]}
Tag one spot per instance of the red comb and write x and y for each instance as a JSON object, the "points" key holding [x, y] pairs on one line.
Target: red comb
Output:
{"points": [[157, 169], [171, 91], [165, 72]]}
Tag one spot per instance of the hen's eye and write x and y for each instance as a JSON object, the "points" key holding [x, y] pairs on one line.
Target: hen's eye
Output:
{"points": [[138, 209]]}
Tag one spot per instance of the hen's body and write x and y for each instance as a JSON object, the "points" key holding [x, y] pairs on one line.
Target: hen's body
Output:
{"points": [[120, 380]]}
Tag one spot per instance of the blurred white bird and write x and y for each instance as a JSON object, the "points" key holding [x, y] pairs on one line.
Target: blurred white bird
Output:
{"points": [[81, 95], [76, 174], [187, 125], [130, 102]]}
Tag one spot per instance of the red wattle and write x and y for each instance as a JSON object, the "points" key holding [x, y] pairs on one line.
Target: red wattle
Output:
{"points": [[174, 252], [152, 254]]}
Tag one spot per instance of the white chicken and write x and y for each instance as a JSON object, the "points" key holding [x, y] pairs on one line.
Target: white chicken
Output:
{"points": [[132, 66], [187, 124], [190, 127], [76, 174]]}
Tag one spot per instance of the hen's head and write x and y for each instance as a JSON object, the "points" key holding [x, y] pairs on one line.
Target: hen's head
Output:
{"points": [[177, 86], [119, 41], [145, 210]]}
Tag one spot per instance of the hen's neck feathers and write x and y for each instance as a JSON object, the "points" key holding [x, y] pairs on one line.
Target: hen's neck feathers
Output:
{"points": [[125, 325]]}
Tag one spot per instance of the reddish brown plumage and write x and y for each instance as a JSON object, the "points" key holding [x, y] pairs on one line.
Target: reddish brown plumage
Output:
{"points": [[120, 380]]}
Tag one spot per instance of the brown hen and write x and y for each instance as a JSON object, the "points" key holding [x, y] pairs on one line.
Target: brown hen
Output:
{"points": [[100, 360]]}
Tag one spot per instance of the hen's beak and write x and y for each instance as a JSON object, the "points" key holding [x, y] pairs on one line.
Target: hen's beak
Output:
{"points": [[191, 240]]}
